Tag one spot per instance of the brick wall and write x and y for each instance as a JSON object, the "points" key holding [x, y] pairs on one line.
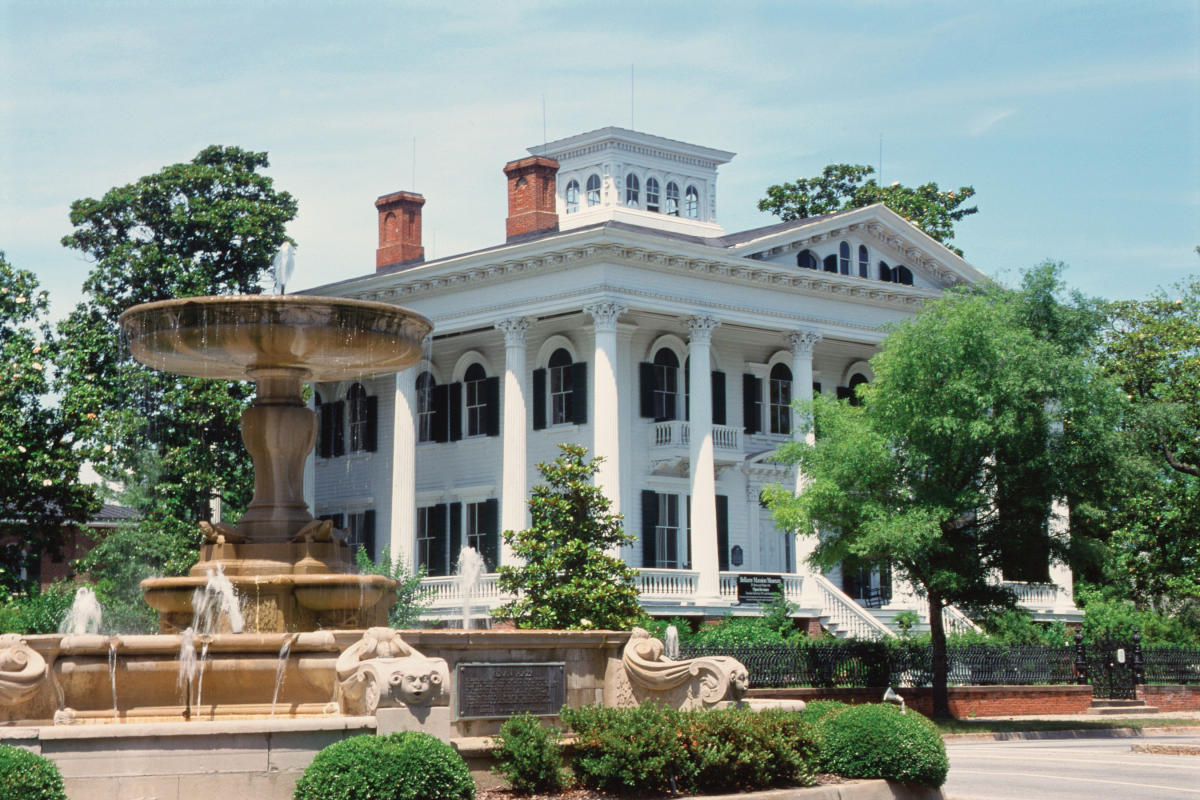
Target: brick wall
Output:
{"points": [[1171, 698], [982, 701]]}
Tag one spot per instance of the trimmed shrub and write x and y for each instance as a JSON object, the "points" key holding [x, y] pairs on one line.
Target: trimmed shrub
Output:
{"points": [[528, 755], [877, 741], [630, 750], [403, 766], [28, 776], [736, 749], [817, 710]]}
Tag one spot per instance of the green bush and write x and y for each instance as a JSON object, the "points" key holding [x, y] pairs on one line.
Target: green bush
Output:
{"points": [[38, 611], [528, 755], [403, 766], [816, 711], [877, 741], [736, 749], [630, 750], [28, 776]]}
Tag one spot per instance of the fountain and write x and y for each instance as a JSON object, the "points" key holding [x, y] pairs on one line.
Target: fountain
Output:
{"points": [[469, 569]]}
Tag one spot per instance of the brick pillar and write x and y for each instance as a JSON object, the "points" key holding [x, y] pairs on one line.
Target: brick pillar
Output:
{"points": [[399, 229], [531, 196]]}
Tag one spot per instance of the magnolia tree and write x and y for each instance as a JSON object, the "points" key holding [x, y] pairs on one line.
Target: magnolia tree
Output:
{"points": [[569, 576]]}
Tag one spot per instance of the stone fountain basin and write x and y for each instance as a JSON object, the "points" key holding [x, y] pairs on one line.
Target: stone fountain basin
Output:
{"points": [[230, 337]]}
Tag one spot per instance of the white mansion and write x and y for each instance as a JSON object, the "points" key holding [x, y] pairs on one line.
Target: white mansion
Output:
{"points": [[620, 316]]}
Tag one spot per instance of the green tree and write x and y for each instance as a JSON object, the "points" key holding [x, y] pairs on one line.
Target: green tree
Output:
{"points": [[843, 186], [910, 476], [569, 578], [40, 490], [206, 226]]}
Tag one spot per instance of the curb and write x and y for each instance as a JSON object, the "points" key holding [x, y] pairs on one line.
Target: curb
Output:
{"points": [[855, 790], [1079, 733]]}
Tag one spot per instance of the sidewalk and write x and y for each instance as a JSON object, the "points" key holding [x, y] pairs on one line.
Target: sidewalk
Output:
{"points": [[1147, 727]]}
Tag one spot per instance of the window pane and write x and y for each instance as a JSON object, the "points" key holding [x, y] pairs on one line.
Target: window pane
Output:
{"points": [[693, 203], [672, 206], [652, 194], [631, 189], [572, 197], [593, 190]]}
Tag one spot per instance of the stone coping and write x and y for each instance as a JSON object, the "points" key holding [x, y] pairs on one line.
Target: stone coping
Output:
{"points": [[133, 730], [805, 692]]}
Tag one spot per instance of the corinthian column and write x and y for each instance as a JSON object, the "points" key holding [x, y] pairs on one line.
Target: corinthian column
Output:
{"points": [[402, 533], [512, 496], [803, 342], [606, 418], [705, 551]]}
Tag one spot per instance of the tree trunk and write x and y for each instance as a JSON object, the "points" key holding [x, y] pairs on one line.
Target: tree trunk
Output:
{"points": [[937, 638]]}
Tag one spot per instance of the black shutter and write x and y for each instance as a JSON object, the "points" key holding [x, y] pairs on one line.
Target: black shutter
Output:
{"points": [[718, 398], [539, 399], [646, 388], [371, 440], [367, 534], [325, 441], [579, 393], [440, 397], [455, 536], [723, 532], [688, 564], [454, 411], [751, 403], [491, 538], [437, 543], [491, 394], [649, 523], [339, 428]]}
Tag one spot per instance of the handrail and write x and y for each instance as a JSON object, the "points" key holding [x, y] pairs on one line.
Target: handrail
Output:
{"points": [[847, 614], [955, 621]]}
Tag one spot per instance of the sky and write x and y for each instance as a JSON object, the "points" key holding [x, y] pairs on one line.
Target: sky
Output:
{"points": [[1077, 123]]}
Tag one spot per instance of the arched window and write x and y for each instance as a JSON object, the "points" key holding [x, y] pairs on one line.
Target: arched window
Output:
{"points": [[856, 380], [475, 395], [672, 206], [830, 263], [652, 194], [903, 274], [425, 384], [632, 187], [666, 384], [562, 389], [361, 414], [572, 196], [806, 259], [844, 258], [593, 190], [885, 272], [864, 262], [780, 399], [692, 203]]}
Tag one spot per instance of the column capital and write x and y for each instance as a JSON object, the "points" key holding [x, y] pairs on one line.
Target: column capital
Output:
{"points": [[701, 329], [514, 330], [605, 315], [803, 342]]}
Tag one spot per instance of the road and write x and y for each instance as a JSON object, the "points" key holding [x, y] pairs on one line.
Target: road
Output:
{"points": [[1072, 769]]}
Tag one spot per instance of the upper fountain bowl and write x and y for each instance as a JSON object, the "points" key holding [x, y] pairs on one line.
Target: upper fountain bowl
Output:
{"points": [[234, 337]]}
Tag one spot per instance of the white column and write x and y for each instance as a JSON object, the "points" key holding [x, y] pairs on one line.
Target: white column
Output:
{"points": [[704, 484], [802, 343], [402, 529], [606, 415], [1060, 572], [516, 419]]}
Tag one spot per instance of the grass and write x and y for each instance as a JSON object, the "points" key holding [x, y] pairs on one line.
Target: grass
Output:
{"points": [[1015, 725]]}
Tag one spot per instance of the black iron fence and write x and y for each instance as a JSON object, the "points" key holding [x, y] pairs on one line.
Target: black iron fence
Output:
{"points": [[864, 664]]}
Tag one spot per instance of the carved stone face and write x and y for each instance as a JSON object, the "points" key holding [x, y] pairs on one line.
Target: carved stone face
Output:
{"points": [[415, 688]]}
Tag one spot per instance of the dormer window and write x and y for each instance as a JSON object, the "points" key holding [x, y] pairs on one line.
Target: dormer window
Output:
{"points": [[692, 203], [864, 262], [593, 190], [572, 196], [672, 206], [806, 259], [844, 258], [632, 187], [651, 194], [885, 272]]}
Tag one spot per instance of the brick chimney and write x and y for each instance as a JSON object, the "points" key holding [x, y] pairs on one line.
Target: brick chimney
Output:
{"points": [[399, 229], [531, 196]]}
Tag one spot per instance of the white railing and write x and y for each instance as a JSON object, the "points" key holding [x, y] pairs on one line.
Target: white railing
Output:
{"points": [[793, 585], [672, 583], [677, 433], [1034, 595], [955, 621], [851, 619], [445, 592]]}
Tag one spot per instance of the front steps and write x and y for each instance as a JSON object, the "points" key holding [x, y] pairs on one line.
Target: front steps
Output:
{"points": [[1121, 707]]}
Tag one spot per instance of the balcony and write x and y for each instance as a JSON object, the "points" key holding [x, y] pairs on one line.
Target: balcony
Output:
{"points": [[670, 446]]}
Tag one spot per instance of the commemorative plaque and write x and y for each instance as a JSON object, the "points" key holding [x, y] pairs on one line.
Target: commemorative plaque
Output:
{"points": [[497, 691], [759, 588]]}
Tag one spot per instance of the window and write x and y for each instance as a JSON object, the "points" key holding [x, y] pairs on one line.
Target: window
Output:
{"points": [[425, 384], [651, 194], [864, 261], [428, 534], [885, 272], [844, 258], [593, 190], [666, 384], [361, 530], [672, 206], [848, 392], [780, 399], [361, 419], [830, 263], [572, 196], [902, 274], [806, 259], [562, 392], [692, 203], [666, 532], [475, 392], [632, 187], [331, 440]]}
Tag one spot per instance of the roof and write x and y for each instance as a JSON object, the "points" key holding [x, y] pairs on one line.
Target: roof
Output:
{"points": [[615, 134]]}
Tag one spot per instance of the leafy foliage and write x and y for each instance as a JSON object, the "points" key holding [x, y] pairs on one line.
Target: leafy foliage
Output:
{"points": [[528, 755], [569, 578], [411, 599], [40, 490], [736, 749], [207, 226], [630, 750], [844, 186], [28, 776], [402, 766], [877, 741], [36, 610]]}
